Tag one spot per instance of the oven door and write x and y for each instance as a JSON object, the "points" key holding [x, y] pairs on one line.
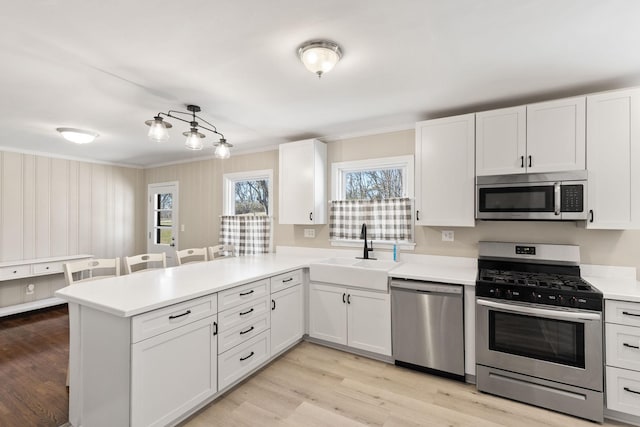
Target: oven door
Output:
{"points": [[556, 344], [539, 201]]}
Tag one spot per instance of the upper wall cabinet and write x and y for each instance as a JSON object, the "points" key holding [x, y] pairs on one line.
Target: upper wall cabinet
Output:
{"points": [[444, 173], [303, 182], [613, 145], [542, 137]]}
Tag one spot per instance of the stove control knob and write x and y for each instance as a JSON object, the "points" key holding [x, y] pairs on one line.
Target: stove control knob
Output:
{"points": [[498, 293], [509, 294], [573, 302], [534, 296], [561, 300]]}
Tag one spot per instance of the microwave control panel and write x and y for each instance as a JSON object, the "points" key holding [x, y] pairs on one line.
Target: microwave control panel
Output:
{"points": [[572, 198]]}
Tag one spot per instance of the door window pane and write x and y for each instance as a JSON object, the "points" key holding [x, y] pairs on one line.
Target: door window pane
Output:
{"points": [[163, 236], [164, 201]]}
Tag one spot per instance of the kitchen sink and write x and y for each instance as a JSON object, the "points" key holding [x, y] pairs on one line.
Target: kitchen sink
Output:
{"points": [[360, 273]]}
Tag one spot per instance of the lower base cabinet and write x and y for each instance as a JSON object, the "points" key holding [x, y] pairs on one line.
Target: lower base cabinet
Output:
{"points": [[356, 318], [172, 372], [287, 318]]}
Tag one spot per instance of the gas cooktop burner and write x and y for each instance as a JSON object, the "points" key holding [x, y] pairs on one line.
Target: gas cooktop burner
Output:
{"points": [[539, 280]]}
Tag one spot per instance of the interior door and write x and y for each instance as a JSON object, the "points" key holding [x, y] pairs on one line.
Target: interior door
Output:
{"points": [[162, 225]]}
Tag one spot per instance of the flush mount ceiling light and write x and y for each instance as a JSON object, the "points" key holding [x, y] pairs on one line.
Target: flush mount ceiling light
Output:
{"points": [[79, 136], [158, 131], [319, 56]]}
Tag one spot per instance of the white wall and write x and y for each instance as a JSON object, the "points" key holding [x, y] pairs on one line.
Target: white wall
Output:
{"points": [[54, 207]]}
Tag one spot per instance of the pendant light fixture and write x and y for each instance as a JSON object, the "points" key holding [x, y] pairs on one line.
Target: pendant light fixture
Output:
{"points": [[319, 56], [158, 131], [79, 136]]}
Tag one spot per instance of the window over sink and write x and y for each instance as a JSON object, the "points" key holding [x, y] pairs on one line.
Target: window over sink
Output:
{"points": [[378, 192]]}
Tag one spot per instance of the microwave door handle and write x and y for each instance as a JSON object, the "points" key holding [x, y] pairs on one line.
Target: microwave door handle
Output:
{"points": [[557, 200], [541, 312]]}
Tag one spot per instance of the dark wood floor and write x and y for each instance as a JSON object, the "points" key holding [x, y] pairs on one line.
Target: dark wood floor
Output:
{"points": [[34, 351]]}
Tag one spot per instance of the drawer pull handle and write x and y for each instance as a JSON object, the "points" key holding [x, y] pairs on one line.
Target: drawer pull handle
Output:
{"points": [[245, 358], [46, 268], [631, 391], [630, 314], [242, 294], [246, 312], [247, 331], [631, 346], [180, 315], [15, 271], [287, 280]]}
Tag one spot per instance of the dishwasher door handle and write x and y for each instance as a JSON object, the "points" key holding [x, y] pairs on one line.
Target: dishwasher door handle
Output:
{"points": [[426, 287]]}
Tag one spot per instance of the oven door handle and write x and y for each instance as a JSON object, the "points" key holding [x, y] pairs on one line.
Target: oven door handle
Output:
{"points": [[557, 199], [539, 311]]}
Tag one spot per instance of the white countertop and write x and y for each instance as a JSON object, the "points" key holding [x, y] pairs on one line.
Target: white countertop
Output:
{"points": [[624, 289], [453, 274], [138, 293]]}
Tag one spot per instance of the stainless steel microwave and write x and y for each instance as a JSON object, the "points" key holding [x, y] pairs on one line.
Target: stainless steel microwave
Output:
{"points": [[558, 196]]}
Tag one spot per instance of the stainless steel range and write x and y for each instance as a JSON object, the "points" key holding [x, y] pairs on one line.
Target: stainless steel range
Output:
{"points": [[539, 328]]}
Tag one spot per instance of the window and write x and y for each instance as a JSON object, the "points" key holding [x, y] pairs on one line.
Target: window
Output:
{"points": [[247, 208], [248, 193], [376, 192]]}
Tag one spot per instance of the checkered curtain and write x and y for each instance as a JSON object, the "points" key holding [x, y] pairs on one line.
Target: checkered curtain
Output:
{"points": [[249, 234], [388, 219]]}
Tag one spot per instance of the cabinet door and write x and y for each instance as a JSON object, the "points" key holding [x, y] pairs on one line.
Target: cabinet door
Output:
{"points": [[369, 321], [613, 144], [328, 313], [501, 141], [302, 182], [173, 372], [445, 177], [556, 135], [287, 318]]}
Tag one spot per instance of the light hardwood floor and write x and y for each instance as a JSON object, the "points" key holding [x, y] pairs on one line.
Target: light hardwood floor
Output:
{"points": [[313, 385]]}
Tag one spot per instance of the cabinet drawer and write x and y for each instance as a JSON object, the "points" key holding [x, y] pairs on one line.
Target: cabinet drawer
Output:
{"points": [[622, 312], [165, 319], [239, 361], [623, 390], [229, 338], [47, 268], [243, 313], [286, 280], [623, 346], [240, 294], [15, 272]]}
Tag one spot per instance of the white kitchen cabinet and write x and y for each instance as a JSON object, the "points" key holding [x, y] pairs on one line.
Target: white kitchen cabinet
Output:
{"points": [[172, 372], [501, 141], [535, 138], [355, 318], [556, 135], [613, 161], [622, 349], [287, 318], [445, 171], [303, 182], [369, 321]]}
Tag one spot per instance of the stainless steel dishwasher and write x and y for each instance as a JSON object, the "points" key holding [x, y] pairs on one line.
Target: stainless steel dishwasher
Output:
{"points": [[427, 324]]}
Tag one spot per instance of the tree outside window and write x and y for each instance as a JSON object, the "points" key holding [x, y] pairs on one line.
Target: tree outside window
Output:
{"points": [[252, 197], [375, 184]]}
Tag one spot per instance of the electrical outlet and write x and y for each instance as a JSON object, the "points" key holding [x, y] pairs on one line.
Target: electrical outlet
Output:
{"points": [[447, 235], [30, 288], [181, 227], [309, 232]]}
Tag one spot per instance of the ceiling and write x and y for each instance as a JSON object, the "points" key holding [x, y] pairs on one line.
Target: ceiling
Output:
{"points": [[107, 66]]}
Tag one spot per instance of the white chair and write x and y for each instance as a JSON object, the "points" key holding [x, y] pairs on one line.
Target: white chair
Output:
{"points": [[186, 256], [221, 251], [131, 262], [91, 269]]}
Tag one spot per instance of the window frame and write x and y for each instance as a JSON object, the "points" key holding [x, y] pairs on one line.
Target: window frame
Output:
{"points": [[340, 169], [229, 191]]}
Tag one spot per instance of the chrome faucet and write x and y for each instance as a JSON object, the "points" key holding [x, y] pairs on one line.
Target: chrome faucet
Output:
{"points": [[366, 249]]}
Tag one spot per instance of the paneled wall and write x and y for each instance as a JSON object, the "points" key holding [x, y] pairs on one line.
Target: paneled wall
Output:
{"points": [[55, 207]]}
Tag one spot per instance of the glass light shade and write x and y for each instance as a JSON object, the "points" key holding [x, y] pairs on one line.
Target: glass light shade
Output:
{"points": [[319, 56], [77, 136], [222, 151], [194, 140], [158, 131]]}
